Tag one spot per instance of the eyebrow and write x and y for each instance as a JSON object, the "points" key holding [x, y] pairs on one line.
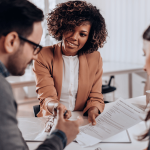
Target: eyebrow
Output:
{"points": [[84, 31]]}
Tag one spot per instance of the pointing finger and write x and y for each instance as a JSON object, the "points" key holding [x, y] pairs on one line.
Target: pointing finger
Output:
{"points": [[93, 120]]}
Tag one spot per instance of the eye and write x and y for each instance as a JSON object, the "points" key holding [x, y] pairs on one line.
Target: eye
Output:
{"points": [[144, 54], [82, 34]]}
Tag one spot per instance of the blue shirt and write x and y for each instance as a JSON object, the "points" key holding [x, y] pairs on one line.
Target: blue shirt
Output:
{"points": [[3, 70]]}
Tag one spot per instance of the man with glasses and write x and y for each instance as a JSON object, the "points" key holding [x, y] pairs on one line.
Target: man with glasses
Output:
{"points": [[20, 35]]}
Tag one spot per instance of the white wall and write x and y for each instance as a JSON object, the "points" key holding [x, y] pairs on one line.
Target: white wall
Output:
{"points": [[125, 20]]}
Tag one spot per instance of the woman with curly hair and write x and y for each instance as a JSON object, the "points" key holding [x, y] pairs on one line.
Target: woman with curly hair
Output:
{"points": [[70, 72]]}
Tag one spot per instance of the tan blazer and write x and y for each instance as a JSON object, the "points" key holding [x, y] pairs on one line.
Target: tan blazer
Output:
{"points": [[48, 69]]}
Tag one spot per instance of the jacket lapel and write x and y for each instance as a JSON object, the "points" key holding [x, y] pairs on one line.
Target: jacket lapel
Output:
{"points": [[58, 69], [83, 83]]}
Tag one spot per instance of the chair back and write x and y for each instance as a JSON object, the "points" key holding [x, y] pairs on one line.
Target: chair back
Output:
{"points": [[36, 110]]}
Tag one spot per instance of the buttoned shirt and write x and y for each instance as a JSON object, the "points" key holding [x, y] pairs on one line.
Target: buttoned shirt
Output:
{"points": [[70, 81]]}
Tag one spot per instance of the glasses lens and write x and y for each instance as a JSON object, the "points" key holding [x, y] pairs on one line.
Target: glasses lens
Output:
{"points": [[37, 50]]}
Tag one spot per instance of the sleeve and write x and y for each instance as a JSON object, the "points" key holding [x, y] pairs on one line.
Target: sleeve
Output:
{"points": [[95, 97], [44, 84], [10, 136], [56, 141]]}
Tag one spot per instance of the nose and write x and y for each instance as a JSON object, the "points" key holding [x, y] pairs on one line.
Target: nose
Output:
{"points": [[74, 36]]}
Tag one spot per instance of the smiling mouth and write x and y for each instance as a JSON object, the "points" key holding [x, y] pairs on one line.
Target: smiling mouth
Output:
{"points": [[71, 44]]}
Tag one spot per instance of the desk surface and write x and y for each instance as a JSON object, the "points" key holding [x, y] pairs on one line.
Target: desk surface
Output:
{"points": [[109, 68], [133, 132]]}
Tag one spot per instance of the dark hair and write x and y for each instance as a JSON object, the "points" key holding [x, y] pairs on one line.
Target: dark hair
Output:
{"points": [[71, 14], [146, 34], [19, 16]]}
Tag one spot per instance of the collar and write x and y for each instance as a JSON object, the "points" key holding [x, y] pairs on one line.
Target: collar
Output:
{"points": [[3, 70]]}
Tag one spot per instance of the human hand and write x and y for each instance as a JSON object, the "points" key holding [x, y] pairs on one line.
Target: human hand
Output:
{"points": [[63, 107], [92, 114], [70, 128]]}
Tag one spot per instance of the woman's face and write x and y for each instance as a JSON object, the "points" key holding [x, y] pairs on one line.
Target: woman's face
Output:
{"points": [[75, 39], [146, 50]]}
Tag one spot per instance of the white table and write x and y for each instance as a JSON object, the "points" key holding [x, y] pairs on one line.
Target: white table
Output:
{"points": [[133, 131]]}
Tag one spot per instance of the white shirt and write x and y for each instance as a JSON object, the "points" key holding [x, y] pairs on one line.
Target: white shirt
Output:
{"points": [[70, 81]]}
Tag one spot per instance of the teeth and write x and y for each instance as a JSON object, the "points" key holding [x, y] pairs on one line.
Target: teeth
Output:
{"points": [[71, 44]]}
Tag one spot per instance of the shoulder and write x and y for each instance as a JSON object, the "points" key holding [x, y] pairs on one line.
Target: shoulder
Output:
{"points": [[94, 57], [6, 96], [5, 86], [49, 52]]}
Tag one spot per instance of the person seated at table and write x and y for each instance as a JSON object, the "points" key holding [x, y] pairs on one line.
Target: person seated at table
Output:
{"points": [[20, 35], [70, 72], [146, 50]]}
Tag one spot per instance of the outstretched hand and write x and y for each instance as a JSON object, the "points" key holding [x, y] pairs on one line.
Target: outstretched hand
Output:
{"points": [[93, 112], [70, 128]]}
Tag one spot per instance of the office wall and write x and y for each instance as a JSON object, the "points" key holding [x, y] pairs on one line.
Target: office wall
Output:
{"points": [[125, 20]]}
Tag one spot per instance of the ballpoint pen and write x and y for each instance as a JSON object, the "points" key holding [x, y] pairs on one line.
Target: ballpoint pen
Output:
{"points": [[65, 112]]}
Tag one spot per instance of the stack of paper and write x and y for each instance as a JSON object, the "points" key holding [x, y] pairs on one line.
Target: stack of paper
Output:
{"points": [[119, 117]]}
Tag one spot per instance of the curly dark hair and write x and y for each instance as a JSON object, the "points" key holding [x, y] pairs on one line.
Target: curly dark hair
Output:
{"points": [[71, 14]]}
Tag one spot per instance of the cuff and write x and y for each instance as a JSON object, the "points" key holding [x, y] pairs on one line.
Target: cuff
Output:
{"points": [[61, 135]]}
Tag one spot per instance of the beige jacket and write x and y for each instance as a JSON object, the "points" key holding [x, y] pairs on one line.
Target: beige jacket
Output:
{"points": [[48, 69]]}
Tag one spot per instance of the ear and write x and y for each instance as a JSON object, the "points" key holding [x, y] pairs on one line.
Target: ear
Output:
{"points": [[11, 42]]}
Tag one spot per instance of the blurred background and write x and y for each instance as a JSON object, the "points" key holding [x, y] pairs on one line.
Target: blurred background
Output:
{"points": [[126, 21]]}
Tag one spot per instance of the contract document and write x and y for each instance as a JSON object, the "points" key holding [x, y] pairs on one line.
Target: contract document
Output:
{"points": [[119, 117]]}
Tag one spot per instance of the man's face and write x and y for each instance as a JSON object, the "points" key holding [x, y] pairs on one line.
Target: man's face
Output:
{"points": [[23, 56]]}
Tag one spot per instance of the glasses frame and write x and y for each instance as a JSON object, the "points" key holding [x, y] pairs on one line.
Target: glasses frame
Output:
{"points": [[37, 45]]}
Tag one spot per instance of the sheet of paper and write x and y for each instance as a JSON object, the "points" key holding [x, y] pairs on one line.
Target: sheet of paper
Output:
{"points": [[122, 137], [32, 127], [120, 116], [86, 140]]}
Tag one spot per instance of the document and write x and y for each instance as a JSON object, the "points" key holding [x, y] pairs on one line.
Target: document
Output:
{"points": [[119, 117], [111, 125]]}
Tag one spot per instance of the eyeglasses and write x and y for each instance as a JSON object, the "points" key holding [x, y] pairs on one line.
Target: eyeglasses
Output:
{"points": [[37, 47]]}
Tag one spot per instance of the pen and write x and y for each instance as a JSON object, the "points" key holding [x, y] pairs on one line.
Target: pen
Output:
{"points": [[65, 112]]}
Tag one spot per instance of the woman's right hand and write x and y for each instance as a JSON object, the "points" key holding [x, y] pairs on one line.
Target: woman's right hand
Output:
{"points": [[63, 107], [53, 105]]}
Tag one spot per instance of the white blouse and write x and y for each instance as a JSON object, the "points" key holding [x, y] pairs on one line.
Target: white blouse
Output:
{"points": [[70, 81]]}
